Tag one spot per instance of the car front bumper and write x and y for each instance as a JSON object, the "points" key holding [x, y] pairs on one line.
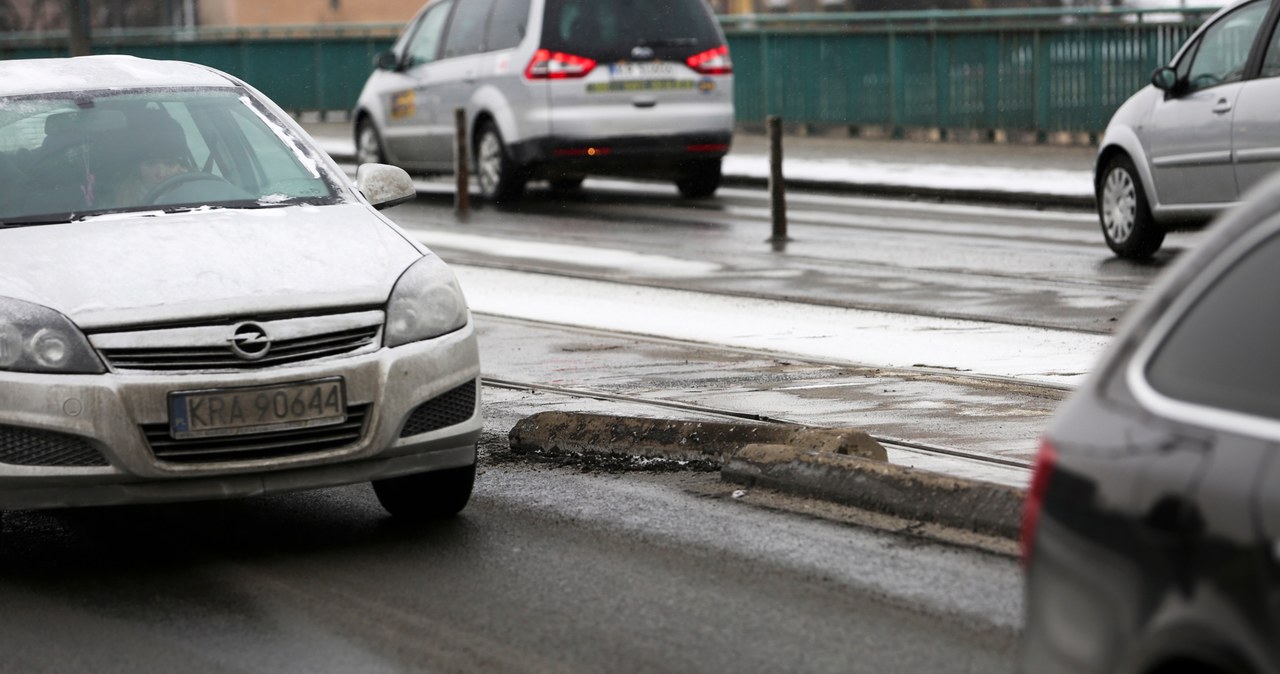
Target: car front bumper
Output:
{"points": [[108, 416]]}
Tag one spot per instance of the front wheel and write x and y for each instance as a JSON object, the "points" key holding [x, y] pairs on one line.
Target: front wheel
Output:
{"points": [[700, 180], [369, 144], [1127, 224], [499, 177], [426, 496]]}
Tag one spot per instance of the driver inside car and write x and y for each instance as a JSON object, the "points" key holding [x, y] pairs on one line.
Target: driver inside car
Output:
{"points": [[157, 152]]}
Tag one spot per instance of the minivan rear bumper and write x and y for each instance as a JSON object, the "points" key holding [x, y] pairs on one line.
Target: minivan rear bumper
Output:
{"points": [[621, 155]]}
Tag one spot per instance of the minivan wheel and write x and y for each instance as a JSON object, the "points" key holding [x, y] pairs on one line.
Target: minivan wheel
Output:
{"points": [[499, 177], [1130, 230], [369, 144], [425, 496], [700, 180]]}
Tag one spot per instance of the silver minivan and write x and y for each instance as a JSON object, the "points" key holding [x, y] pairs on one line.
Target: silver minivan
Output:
{"points": [[1203, 132], [555, 90]]}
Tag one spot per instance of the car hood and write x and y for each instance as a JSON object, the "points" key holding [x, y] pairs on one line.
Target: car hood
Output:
{"points": [[124, 269]]}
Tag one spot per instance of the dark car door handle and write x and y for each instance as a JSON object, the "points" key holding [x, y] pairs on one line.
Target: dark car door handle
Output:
{"points": [[1222, 106]]}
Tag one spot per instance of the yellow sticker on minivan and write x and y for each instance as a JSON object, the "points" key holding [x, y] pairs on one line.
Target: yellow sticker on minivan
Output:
{"points": [[403, 105], [640, 85]]}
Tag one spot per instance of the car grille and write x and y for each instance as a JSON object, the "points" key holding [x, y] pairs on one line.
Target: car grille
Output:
{"points": [[222, 357], [451, 407], [29, 447], [252, 446]]}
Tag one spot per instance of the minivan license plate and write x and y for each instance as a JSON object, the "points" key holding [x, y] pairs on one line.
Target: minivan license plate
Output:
{"points": [[258, 409], [642, 70]]}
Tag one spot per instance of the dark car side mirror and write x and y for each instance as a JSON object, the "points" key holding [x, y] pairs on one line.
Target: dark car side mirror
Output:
{"points": [[386, 60], [1165, 79]]}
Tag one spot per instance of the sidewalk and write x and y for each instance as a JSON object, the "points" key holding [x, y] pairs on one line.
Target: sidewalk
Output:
{"points": [[1040, 175]]}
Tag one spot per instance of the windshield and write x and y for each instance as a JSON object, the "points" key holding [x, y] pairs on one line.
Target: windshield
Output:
{"points": [[72, 155]]}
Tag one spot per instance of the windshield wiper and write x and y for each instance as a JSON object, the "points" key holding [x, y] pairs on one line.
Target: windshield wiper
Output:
{"points": [[37, 220]]}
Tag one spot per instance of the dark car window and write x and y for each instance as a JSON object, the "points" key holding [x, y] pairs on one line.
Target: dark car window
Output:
{"points": [[425, 44], [1224, 48], [508, 24], [1225, 351], [607, 30], [466, 28]]}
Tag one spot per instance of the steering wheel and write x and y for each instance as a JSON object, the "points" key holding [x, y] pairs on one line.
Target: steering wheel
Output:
{"points": [[175, 181]]}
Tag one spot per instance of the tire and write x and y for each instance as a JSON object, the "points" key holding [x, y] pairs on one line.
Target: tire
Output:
{"points": [[700, 180], [427, 496], [369, 144], [500, 179], [1127, 224]]}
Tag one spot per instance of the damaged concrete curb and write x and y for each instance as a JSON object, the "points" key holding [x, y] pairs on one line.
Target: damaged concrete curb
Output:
{"points": [[842, 465], [903, 492], [572, 432]]}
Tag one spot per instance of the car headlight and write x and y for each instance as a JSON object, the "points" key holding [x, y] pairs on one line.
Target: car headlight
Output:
{"points": [[38, 339], [425, 303]]}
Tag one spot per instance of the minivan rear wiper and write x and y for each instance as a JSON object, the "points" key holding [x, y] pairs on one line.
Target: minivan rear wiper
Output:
{"points": [[670, 42]]}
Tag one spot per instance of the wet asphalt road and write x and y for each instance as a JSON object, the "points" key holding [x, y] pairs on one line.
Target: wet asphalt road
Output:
{"points": [[548, 570]]}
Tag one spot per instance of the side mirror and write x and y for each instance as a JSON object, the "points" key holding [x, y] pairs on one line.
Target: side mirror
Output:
{"points": [[386, 61], [1164, 79], [384, 185]]}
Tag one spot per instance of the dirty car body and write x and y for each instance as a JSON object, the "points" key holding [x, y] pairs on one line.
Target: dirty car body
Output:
{"points": [[240, 322], [1151, 524]]}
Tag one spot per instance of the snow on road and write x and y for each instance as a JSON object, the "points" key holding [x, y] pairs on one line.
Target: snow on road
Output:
{"points": [[873, 338]]}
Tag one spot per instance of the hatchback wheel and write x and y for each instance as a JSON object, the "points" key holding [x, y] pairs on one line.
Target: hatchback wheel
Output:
{"points": [[700, 180], [500, 178], [369, 144], [1130, 230], [422, 496]]}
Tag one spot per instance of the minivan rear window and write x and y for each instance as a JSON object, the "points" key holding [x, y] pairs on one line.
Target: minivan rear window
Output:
{"points": [[608, 30]]}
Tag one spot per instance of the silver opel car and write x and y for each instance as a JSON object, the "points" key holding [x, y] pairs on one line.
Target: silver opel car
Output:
{"points": [[1206, 130], [196, 303], [555, 90]]}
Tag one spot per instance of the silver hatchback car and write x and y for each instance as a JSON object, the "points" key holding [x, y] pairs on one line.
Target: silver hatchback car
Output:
{"points": [[197, 303], [1186, 147], [555, 90]]}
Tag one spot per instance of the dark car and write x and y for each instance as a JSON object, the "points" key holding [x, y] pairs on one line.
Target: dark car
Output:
{"points": [[1151, 529]]}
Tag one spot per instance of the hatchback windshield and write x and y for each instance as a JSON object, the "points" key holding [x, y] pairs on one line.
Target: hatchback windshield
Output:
{"points": [[66, 156]]}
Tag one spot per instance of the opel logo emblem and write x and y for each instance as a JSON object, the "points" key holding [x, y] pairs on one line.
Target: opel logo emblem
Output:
{"points": [[641, 52], [250, 341]]}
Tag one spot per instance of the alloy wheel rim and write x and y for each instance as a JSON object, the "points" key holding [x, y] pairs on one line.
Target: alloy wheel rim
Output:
{"points": [[367, 152], [1119, 205], [490, 162]]}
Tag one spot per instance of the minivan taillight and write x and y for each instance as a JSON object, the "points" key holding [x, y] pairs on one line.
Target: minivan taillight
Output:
{"points": [[549, 65], [712, 61], [1046, 462]]}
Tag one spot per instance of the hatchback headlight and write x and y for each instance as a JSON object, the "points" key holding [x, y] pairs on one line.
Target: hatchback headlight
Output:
{"points": [[38, 339], [425, 303]]}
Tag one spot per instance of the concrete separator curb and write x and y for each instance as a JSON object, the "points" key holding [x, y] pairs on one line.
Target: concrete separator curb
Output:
{"points": [[842, 465]]}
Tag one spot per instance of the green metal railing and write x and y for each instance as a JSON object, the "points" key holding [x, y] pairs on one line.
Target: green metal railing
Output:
{"points": [[1031, 70]]}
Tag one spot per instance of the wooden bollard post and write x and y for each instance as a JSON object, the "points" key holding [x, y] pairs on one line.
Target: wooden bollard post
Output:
{"points": [[462, 166]]}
